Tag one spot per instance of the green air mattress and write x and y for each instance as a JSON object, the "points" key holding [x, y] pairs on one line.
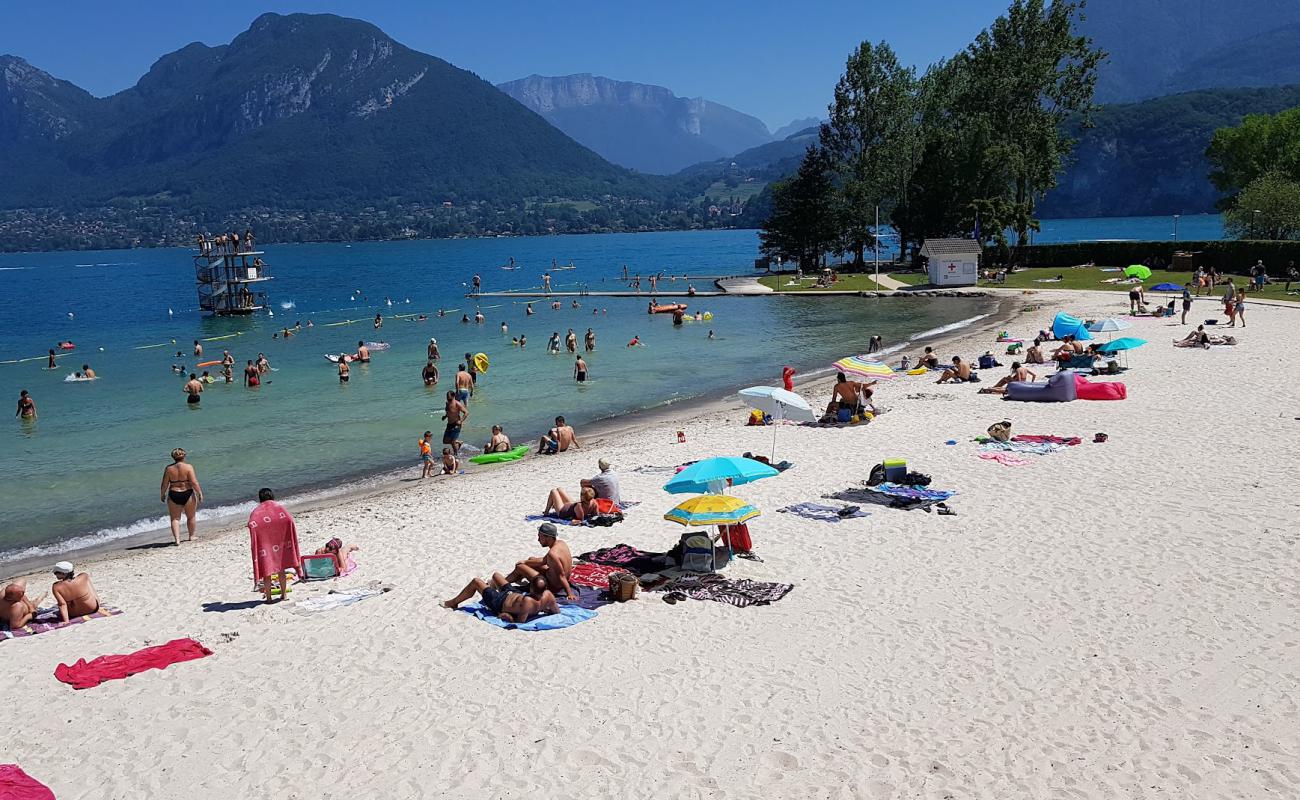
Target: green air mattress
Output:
{"points": [[497, 458]]}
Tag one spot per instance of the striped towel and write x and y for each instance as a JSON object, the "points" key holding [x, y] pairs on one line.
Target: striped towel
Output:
{"points": [[47, 619]]}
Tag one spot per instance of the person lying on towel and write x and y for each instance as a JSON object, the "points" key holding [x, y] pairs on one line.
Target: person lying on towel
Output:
{"points": [[501, 599]]}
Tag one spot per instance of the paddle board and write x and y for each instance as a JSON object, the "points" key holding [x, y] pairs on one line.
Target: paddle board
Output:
{"points": [[208, 363], [334, 359]]}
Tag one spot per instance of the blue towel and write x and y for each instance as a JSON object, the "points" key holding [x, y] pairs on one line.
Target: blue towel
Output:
{"points": [[569, 615], [820, 512]]}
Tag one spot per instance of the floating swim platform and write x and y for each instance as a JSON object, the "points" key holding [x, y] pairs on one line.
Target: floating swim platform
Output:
{"points": [[501, 458]]}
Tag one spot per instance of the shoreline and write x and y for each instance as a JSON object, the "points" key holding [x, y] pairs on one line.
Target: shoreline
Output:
{"points": [[371, 485]]}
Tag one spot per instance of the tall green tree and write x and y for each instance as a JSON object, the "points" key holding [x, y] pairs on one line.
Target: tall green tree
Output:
{"points": [[805, 219], [1261, 144], [1268, 208], [872, 136]]}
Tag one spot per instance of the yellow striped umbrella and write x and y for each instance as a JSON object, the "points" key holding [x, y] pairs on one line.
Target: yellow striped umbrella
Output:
{"points": [[861, 365], [712, 509]]}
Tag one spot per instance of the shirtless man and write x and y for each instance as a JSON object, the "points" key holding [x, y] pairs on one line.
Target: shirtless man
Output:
{"points": [[1018, 373], [559, 438], [508, 605], [251, 376], [479, 319], [429, 374], [455, 414], [362, 354], [16, 609], [433, 350], [87, 372], [850, 394], [464, 384], [198, 349], [193, 388], [499, 443], [74, 593], [1034, 355], [263, 366], [959, 371], [580, 370], [550, 571]]}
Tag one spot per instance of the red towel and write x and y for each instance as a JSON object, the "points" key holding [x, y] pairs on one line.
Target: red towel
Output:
{"points": [[274, 539], [594, 575], [787, 378], [85, 674], [18, 785]]}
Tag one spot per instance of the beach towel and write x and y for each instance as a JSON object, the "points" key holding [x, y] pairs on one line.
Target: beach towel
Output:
{"points": [[822, 513], [274, 540], [18, 785], [85, 674], [47, 619], [741, 593], [1007, 459], [594, 575], [1068, 441], [906, 498], [338, 599], [625, 556], [1031, 448], [569, 616]]}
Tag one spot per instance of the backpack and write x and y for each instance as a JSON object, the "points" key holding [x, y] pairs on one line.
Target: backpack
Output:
{"points": [[877, 475], [1000, 431], [696, 552]]}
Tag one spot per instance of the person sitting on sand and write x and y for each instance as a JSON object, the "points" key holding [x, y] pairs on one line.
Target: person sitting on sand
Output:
{"points": [[605, 484], [500, 599], [929, 359], [561, 506], [850, 394], [959, 372], [16, 608], [1018, 373], [558, 439], [1034, 355], [548, 572], [75, 593], [499, 443], [450, 464], [1197, 338], [342, 554]]}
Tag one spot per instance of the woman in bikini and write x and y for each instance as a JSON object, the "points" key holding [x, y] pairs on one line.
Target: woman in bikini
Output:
{"points": [[181, 492], [559, 504]]}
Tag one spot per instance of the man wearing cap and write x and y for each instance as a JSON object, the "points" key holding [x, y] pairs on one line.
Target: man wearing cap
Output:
{"points": [[605, 484], [75, 593], [550, 571], [16, 608]]}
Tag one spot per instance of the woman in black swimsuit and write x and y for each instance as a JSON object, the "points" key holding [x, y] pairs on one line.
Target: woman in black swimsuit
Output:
{"points": [[181, 492]]}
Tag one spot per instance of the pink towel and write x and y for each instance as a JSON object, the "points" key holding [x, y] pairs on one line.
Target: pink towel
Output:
{"points": [[18, 785], [274, 540], [85, 674], [1007, 459]]}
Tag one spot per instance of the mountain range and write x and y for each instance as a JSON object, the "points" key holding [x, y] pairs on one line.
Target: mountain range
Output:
{"points": [[637, 125]]}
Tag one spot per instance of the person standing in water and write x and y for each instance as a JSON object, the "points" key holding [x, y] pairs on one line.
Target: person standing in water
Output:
{"points": [[472, 369], [181, 492], [345, 371], [455, 413], [434, 355], [379, 321], [429, 374], [26, 406], [52, 363], [589, 339], [464, 384], [193, 389], [580, 370], [528, 310], [252, 378], [198, 349], [571, 341]]}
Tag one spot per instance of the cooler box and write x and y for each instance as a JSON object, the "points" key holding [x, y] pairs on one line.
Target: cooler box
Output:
{"points": [[895, 469]]}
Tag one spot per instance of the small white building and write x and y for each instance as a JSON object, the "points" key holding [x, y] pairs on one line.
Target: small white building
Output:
{"points": [[952, 262]]}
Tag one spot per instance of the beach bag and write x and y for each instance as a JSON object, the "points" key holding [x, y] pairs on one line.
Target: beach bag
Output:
{"points": [[737, 537], [605, 520], [606, 506], [877, 475], [696, 552], [623, 586], [916, 479], [1000, 431]]}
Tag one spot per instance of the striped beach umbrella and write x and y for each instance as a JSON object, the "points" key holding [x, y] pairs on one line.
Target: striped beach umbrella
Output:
{"points": [[863, 366], [712, 509]]}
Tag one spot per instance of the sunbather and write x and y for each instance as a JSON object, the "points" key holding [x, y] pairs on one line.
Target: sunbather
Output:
{"points": [[500, 599], [16, 608], [341, 552], [550, 571], [928, 359], [1018, 373], [75, 593], [559, 504], [959, 372]]}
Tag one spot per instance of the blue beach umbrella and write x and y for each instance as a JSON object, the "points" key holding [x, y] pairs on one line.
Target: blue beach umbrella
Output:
{"points": [[712, 474], [1123, 343], [1166, 287], [1108, 325]]}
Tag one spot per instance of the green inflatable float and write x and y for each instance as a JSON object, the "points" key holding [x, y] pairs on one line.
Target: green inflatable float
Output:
{"points": [[498, 458]]}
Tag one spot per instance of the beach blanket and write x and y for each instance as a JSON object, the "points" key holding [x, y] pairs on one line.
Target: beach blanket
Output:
{"points": [[1068, 441], [338, 599], [85, 674], [625, 556], [18, 785], [1031, 448], [569, 616], [1006, 459], [741, 593], [274, 540], [594, 575], [907, 498], [47, 619], [823, 513]]}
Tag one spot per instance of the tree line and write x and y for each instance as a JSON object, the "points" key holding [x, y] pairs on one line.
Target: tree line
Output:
{"points": [[967, 149]]}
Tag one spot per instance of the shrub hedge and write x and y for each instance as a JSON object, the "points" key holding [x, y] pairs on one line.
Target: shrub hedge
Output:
{"points": [[1229, 255]]}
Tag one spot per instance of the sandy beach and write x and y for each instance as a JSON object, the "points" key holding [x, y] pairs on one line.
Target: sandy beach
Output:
{"points": [[1110, 621]]}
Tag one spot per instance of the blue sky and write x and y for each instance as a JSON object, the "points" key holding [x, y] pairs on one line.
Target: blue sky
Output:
{"points": [[775, 60]]}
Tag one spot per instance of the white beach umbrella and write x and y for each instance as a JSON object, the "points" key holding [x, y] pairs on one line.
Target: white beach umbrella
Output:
{"points": [[780, 404]]}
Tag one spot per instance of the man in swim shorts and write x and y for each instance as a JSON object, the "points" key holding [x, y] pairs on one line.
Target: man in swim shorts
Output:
{"points": [[193, 389], [959, 372], [75, 593], [455, 414], [252, 377], [550, 571], [580, 370], [510, 606], [558, 439], [363, 353], [464, 384]]}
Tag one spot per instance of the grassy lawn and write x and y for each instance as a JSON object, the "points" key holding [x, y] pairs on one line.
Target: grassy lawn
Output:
{"points": [[847, 283], [720, 192], [1092, 277]]}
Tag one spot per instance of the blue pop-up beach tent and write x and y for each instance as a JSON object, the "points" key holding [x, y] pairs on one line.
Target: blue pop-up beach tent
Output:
{"points": [[1065, 325]]}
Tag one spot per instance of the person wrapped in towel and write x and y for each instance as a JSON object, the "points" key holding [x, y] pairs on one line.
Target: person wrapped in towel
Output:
{"points": [[274, 540]]}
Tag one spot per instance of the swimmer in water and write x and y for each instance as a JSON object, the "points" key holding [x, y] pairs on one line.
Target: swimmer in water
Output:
{"points": [[198, 349], [345, 371], [505, 328], [478, 317], [26, 406], [464, 319], [528, 310], [52, 363], [711, 336], [523, 340], [379, 321], [88, 372], [192, 389], [636, 342]]}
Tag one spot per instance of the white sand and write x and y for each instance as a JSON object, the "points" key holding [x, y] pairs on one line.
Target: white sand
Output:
{"points": [[1118, 620]]}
